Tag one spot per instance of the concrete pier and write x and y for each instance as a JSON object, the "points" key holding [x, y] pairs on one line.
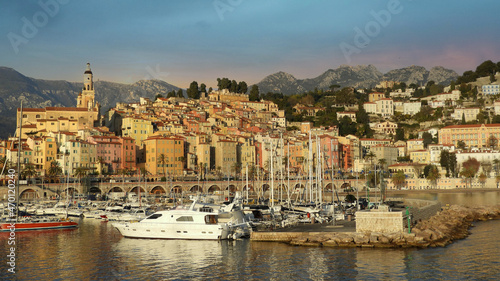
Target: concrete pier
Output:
{"points": [[446, 226]]}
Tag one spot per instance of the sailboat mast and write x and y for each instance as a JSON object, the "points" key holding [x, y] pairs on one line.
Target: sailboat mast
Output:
{"points": [[19, 151], [272, 177], [310, 162], [288, 171]]}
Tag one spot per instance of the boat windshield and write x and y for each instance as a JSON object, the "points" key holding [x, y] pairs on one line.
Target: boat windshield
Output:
{"points": [[153, 216]]}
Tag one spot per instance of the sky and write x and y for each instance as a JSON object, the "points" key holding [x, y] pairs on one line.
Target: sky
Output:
{"points": [[245, 40]]}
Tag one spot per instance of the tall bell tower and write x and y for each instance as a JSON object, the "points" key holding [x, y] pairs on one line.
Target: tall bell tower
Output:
{"points": [[86, 97]]}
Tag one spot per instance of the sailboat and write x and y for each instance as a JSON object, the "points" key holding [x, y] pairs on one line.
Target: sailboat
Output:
{"points": [[14, 221]]}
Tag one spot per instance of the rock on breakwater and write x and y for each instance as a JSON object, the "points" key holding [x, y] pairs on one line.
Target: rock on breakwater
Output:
{"points": [[448, 225]]}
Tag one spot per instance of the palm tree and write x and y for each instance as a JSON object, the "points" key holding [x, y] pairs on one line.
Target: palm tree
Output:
{"points": [[28, 171], [399, 179], [382, 163], [163, 160], [236, 169], [370, 157], [219, 172], [54, 169], [100, 162]]}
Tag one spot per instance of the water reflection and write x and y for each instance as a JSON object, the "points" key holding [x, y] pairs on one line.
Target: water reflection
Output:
{"points": [[468, 198], [97, 251]]}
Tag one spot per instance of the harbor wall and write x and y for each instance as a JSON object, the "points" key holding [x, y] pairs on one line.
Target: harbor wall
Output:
{"points": [[379, 221], [446, 226], [422, 209]]}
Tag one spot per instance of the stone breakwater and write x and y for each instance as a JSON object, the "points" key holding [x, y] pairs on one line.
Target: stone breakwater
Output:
{"points": [[448, 225]]}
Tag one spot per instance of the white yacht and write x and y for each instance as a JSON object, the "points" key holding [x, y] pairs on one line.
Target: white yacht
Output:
{"points": [[194, 223]]}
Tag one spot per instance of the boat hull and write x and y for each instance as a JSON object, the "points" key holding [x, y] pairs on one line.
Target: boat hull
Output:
{"points": [[173, 231], [37, 226]]}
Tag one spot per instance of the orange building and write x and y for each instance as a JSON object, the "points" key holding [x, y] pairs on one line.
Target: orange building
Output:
{"points": [[171, 149]]}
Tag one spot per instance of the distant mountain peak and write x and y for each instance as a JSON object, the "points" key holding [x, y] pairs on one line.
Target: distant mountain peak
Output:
{"points": [[359, 76]]}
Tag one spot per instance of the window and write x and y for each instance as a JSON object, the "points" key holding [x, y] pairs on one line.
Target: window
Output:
{"points": [[153, 216], [184, 218]]}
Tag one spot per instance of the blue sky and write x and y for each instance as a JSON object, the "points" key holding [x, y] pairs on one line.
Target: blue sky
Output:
{"points": [[182, 41]]}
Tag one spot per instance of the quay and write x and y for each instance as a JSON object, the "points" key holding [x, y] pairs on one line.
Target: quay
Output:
{"points": [[445, 226]]}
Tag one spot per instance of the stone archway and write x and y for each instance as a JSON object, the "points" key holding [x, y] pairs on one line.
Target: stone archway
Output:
{"points": [[213, 188], [232, 188], [196, 188], [29, 194], [345, 187], [116, 189], [95, 190], [158, 191], [137, 189]]}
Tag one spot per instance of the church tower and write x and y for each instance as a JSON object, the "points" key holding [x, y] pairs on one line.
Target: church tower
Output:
{"points": [[86, 97]]}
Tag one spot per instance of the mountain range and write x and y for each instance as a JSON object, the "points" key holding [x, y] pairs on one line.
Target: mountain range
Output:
{"points": [[360, 76], [15, 87]]}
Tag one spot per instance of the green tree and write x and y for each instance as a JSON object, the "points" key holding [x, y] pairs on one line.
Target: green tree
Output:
{"points": [[158, 96], [461, 144], [492, 78], [242, 87], [400, 134], [28, 171], [371, 156], [193, 91], [203, 88], [449, 162], [171, 94], [162, 161], [433, 175], [180, 93], [382, 162], [234, 86], [427, 139], [254, 93], [486, 68], [399, 179], [346, 126], [469, 169], [54, 169], [223, 83]]}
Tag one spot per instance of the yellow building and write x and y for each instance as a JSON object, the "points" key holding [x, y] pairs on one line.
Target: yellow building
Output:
{"points": [[137, 128], [172, 149], [420, 156]]}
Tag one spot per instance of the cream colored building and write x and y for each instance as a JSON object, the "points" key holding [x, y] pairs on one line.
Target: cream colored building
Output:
{"points": [[71, 119]]}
